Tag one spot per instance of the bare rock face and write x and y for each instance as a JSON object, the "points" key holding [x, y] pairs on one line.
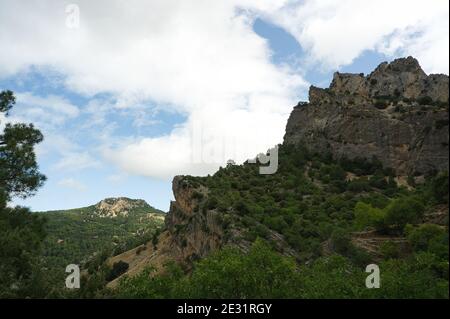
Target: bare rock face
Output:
{"points": [[121, 206], [193, 232], [397, 114]]}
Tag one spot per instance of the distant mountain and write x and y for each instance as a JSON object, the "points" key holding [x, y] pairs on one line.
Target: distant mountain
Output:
{"points": [[113, 225]]}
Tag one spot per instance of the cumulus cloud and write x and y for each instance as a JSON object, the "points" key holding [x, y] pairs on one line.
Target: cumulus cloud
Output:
{"points": [[335, 32], [202, 59]]}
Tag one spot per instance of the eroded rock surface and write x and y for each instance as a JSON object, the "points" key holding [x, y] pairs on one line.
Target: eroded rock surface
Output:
{"points": [[397, 114]]}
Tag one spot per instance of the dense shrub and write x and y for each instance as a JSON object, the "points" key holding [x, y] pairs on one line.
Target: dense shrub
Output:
{"points": [[439, 188], [368, 216], [118, 269], [428, 237], [402, 211]]}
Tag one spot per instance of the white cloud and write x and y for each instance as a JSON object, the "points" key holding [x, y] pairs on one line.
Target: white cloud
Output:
{"points": [[45, 111], [335, 32], [72, 161], [202, 59], [51, 102], [72, 184]]}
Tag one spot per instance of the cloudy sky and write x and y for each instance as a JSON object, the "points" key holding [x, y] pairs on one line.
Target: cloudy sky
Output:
{"points": [[130, 93]]}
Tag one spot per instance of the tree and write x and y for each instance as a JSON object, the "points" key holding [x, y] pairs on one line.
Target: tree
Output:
{"points": [[439, 188], [261, 273], [402, 211], [428, 237], [367, 216], [21, 232], [19, 175]]}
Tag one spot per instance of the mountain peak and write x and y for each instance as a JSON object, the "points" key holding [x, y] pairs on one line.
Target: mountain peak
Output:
{"points": [[402, 79], [118, 206]]}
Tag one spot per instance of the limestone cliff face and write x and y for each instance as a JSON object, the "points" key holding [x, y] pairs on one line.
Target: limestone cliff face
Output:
{"points": [[397, 113], [192, 233]]}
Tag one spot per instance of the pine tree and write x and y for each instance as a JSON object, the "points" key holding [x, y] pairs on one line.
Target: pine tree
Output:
{"points": [[21, 232]]}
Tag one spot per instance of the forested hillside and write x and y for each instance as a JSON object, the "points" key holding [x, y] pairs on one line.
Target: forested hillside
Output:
{"points": [[335, 216], [90, 234]]}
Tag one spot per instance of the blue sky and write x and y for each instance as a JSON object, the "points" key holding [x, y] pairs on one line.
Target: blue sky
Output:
{"points": [[131, 95]]}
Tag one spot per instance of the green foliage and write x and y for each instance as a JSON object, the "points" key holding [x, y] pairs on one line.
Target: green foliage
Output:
{"points": [[21, 232], [398, 213], [390, 250], [333, 277], [259, 274], [7, 101], [367, 216], [402, 211], [82, 236], [439, 188], [308, 202], [149, 285], [429, 237], [20, 241], [419, 276], [263, 273]]}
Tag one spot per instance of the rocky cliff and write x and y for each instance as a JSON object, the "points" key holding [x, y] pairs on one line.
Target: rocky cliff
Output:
{"points": [[397, 113]]}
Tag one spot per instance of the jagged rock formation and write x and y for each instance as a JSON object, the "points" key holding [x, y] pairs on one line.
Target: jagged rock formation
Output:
{"points": [[397, 114]]}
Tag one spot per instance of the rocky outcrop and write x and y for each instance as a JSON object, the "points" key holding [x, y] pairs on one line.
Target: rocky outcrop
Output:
{"points": [[189, 234], [192, 231], [397, 114], [121, 206]]}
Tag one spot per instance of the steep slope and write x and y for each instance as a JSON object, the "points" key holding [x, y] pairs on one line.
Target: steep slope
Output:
{"points": [[113, 225], [397, 114]]}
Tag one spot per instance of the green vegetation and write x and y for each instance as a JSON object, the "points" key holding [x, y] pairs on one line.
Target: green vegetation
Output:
{"points": [[21, 232], [309, 210], [84, 237], [311, 200], [263, 273]]}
